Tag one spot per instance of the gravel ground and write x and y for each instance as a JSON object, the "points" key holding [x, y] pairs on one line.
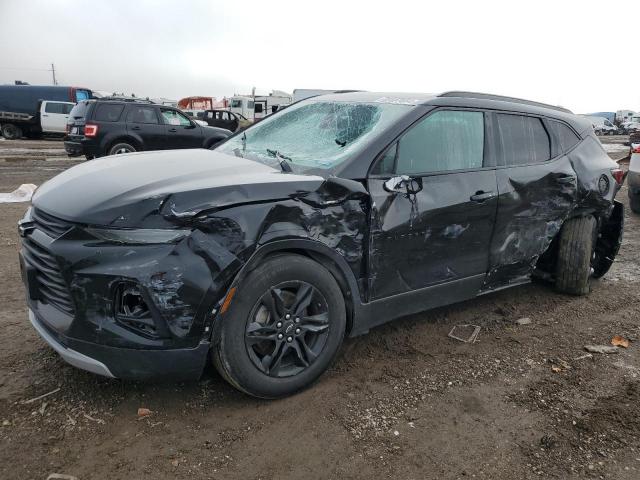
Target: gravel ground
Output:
{"points": [[405, 401]]}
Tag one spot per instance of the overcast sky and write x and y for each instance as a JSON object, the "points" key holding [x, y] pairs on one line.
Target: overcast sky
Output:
{"points": [[579, 54]]}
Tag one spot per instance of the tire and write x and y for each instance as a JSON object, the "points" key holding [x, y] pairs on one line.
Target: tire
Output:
{"points": [[241, 360], [11, 132], [634, 203], [120, 148], [575, 252]]}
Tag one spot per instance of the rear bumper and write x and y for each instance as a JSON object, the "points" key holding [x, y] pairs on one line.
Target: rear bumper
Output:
{"points": [[78, 148], [127, 363]]}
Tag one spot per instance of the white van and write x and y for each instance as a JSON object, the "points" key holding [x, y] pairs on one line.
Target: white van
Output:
{"points": [[603, 126]]}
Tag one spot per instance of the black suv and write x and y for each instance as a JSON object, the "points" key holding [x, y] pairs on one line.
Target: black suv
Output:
{"points": [[113, 126], [322, 221]]}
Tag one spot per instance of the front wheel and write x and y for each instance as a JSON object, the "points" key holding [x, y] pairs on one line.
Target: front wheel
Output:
{"points": [[284, 327], [575, 253]]}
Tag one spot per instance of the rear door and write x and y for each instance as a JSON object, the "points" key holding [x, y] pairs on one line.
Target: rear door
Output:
{"points": [[142, 121], [537, 189], [54, 116], [435, 196], [180, 131]]}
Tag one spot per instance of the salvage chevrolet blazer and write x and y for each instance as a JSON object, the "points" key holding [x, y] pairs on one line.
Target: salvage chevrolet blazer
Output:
{"points": [[322, 221]]}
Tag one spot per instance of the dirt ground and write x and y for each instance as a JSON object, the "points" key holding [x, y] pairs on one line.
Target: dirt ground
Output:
{"points": [[403, 402]]}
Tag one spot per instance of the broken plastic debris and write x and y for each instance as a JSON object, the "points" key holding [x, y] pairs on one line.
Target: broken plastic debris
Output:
{"points": [[604, 349], [465, 333], [21, 194], [620, 341], [144, 412]]}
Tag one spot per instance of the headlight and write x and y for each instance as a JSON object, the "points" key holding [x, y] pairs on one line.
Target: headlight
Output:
{"points": [[139, 236]]}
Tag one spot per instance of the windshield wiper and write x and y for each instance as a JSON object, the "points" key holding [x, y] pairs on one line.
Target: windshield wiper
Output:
{"points": [[282, 159]]}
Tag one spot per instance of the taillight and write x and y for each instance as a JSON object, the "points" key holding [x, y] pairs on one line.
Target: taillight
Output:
{"points": [[90, 130], [618, 174], [636, 149]]}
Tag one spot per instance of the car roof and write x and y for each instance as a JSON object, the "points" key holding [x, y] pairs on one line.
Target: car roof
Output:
{"points": [[377, 97], [463, 99]]}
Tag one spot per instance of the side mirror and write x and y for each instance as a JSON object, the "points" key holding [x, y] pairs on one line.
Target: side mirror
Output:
{"points": [[403, 184]]}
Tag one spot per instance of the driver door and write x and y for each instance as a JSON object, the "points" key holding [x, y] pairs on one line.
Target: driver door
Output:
{"points": [[434, 194], [181, 132]]}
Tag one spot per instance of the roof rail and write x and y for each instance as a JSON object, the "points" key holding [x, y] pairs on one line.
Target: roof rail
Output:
{"points": [[125, 99], [488, 96]]}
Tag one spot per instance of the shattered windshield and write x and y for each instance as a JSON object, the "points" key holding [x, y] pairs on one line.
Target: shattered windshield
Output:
{"points": [[314, 134]]}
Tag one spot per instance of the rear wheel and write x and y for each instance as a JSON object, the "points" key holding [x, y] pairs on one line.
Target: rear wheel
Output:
{"points": [[575, 252], [11, 132], [283, 329], [120, 148]]}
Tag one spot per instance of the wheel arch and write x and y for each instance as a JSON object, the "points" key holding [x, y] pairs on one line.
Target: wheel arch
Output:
{"points": [[137, 143], [319, 252], [608, 237]]}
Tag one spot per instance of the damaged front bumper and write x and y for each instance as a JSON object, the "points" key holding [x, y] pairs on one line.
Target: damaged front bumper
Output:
{"points": [[125, 363], [123, 310]]}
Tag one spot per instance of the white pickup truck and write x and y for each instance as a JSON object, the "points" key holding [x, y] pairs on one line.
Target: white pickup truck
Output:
{"points": [[51, 118]]}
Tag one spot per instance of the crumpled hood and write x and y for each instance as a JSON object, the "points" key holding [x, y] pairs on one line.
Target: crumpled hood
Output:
{"points": [[130, 190]]}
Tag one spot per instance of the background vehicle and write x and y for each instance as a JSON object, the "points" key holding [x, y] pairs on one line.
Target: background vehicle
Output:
{"points": [[327, 219], [632, 127], [21, 108], [113, 126], [602, 126], [258, 106], [225, 119], [194, 113], [633, 180]]}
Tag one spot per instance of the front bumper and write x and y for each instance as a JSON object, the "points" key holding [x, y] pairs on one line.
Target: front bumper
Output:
{"points": [[73, 282], [134, 364], [70, 356]]}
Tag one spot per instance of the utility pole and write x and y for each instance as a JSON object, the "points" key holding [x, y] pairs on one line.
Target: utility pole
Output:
{"points": [[53, 71]]}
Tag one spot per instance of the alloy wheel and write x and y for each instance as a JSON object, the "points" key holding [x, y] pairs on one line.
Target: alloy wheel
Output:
{"points": [[287, 329]]}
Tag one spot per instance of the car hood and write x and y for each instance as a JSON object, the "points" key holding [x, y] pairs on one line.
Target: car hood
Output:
{"points": [[151, 189]]}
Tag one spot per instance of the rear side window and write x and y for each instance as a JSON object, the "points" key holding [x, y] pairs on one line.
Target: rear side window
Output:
{"points": [[524, 140], [106, 112], [142, 115], [567, 137], [445, 140]]}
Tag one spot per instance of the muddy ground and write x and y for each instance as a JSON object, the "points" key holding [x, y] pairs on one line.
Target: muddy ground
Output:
{"points": [[403, 402]]}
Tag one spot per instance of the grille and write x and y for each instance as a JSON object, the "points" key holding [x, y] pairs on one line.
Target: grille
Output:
{"points": [[51, 286], [52, 226]]}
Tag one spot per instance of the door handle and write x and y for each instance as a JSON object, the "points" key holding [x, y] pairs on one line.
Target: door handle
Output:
{"points": [[481, 196], [135, 128], [172, 130], [567, 179]]}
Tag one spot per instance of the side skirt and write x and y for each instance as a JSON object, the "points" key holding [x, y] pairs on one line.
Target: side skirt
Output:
{"points": [[381, 311]]}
